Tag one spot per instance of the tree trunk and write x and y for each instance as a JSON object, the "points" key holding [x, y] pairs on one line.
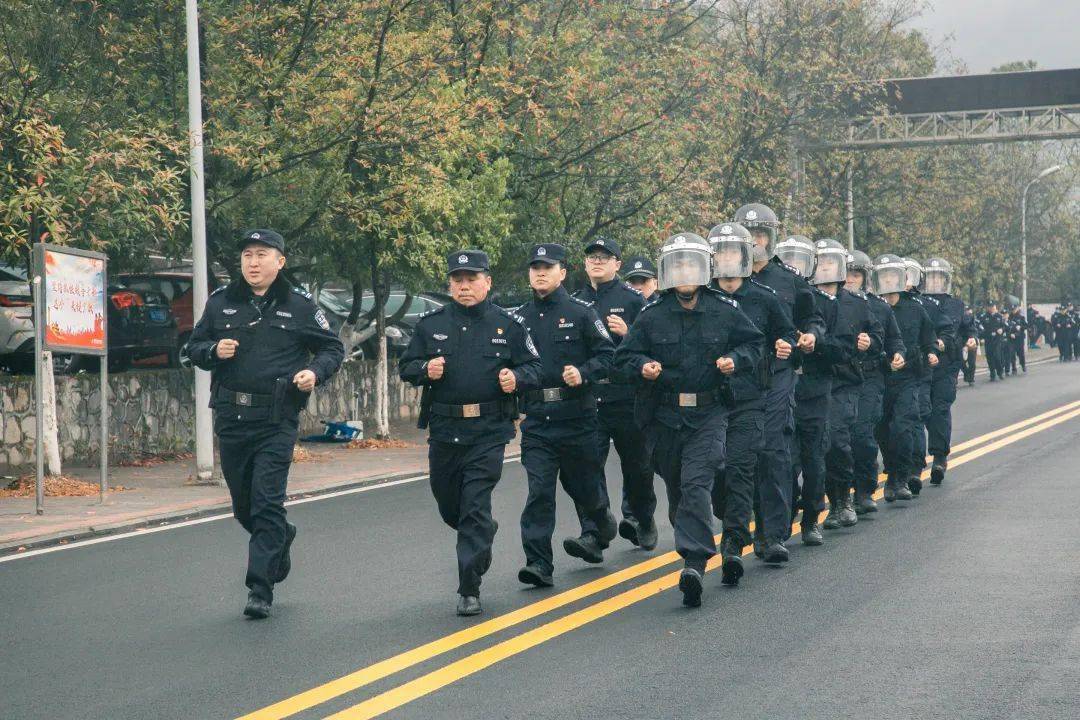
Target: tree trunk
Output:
{"points": [[48, 402], [379, 290]]}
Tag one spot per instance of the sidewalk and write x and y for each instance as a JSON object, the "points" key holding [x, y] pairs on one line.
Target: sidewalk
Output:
{"points": [[166, 492]]}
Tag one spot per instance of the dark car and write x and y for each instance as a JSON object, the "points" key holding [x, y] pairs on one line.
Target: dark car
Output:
{"points": [[402, 312], [177, 287]]}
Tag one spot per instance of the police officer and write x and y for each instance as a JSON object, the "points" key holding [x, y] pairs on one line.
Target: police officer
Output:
{"points": [[946, 340], [641, 276], [812, 395], [1019, 335], [858, 335], [1061, 322], [875, 365], [267, 346], [993, 335], [618, 306], [470, 356], [773, 507], [559, 433], [736, 485], [971, 351], [937, 284], [681, 352], [900, 408]]}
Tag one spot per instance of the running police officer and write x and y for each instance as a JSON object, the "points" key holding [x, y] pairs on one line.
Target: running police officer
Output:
{"points": [[774, 502], [735, 486], [937, 284], [267, 346], [558, 435], [993, 335], [618, 306], [971, 351], [470, 357], [900, 408], [642, 277], [875, 365], [681, 351], [1019, 336]]}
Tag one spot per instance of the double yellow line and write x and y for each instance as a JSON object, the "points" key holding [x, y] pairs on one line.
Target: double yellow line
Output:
{"points": [[441, 677]]}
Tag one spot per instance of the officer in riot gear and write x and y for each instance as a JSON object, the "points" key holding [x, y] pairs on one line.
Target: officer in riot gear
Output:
{"points": [[737, 491], [682, 352], [875, 366], [993, 335], [470, 356], [267, 345]]}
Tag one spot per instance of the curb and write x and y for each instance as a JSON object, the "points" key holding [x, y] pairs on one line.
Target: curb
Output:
{"points": [[16, 547]]}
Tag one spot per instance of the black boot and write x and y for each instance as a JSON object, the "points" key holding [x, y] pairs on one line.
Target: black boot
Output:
{"points": [[469, 605], [587, 547], [647, 534], [257, 608], [937, 472], [759, 542], [732, 569], [776, 552], [606, 527], [285, 564], [914, 484], [811, 534], [690, 585], [848, 516], [628, 529], [533, 574]]}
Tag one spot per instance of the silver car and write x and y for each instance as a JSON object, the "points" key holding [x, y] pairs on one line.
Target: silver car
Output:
{"points": [[16, 320]]}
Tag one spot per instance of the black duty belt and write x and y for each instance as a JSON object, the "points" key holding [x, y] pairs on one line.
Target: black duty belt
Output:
{"points": [[603, 381], [555, 394], [470, 410], [701, 399], [244, 399]]}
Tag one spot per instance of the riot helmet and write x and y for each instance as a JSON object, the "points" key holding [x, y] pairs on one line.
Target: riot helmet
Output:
{"points": [[830, 262], [798, 252], [732, 249], [859, 261], [889, 276], [684, 260], [937, 276], [761, 221], [914, 272]]}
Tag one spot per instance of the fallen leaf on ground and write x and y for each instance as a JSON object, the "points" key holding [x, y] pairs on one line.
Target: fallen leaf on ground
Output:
{"points": [[375, 444], [55, 486]]}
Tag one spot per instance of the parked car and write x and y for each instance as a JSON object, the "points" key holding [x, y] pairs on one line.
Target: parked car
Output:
{"points": [[403, 311], [177, 287], [140, 325]]}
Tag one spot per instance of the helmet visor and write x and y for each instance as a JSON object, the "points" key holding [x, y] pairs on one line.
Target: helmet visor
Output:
{"points": [[800, 258], [888, 280], [732, 257], [937, 282], [683, 266], [914, 275], [831, 266]]}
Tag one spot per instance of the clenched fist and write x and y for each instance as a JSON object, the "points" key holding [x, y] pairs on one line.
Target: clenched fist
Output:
{"points": [[571, 376], [616, 325], [932, 359], [226, 349], [507, 380], [783, 349], [897, 362], [971, 342], [725, 365], [651, 370], [862, 342], [436, 367], [807, 342], [304, 381]]}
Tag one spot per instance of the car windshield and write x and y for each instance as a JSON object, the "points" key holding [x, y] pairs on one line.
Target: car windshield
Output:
{"points": [[8, 272]]}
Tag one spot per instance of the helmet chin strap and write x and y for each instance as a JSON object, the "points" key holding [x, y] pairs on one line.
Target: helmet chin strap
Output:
{"points": [[687, 297]]}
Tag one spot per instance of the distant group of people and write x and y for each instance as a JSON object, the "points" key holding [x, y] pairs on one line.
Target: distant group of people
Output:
{"points": [[1008, 332]]}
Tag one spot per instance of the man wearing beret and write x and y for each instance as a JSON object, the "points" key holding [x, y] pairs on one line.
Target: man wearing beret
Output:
{"points": [[470, 357], [267, 345]]}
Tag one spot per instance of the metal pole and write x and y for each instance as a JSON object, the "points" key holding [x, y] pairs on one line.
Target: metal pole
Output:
{"points": [[850, 209], [1023, 247], [39, 420], [104, 426], [204, 433]]}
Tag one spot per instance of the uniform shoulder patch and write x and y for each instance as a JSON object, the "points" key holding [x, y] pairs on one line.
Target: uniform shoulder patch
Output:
{"points": [[513, 316], [933, 300], [722, 297], [220, 289], [763, 286], [824, 294], [652, 303], [432, 311], [301, 292], [579, 301], [631, 288], [790, 268]]}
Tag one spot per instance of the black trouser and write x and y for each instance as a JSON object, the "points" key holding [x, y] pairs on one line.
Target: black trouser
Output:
{"points": [[918, 448], [896, 431], [687, 459], [993, 358], [255, 459], [970, 357], [638, 497], [462, 478], [839, 463], [808, 455], [942, 397], [1008, 355], [864, 447], [565, 453], [1064, 346], [733, 488], [1020, 353], [772, 489]]}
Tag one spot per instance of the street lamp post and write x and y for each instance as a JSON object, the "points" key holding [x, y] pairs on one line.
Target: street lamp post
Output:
{"points": [[1023, 235]]}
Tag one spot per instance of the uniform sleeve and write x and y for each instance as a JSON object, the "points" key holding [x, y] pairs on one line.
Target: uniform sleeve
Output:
{"points": [[876, 332], [780, 325], [944, 329], [600, 346], [894, 340], [807, 316], [326, 348], [633, 352], [927, 336], [524, 359], [412, 365], [746, 342], [203, 339]]}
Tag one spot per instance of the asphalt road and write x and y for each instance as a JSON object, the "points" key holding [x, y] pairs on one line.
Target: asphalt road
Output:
{"points": [[962, 604]]}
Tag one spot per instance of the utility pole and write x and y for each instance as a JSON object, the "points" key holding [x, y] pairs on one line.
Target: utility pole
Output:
{"points": [[204, 432]]}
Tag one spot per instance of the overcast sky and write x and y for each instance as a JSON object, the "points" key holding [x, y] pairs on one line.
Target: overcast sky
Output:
{"points": [[988, 33]]}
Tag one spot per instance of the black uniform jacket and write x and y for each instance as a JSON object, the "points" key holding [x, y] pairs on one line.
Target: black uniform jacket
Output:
{"points": [[687, 344], [567, 331], [797, 297], [477, 343], [279, 334], [614, 297]]}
